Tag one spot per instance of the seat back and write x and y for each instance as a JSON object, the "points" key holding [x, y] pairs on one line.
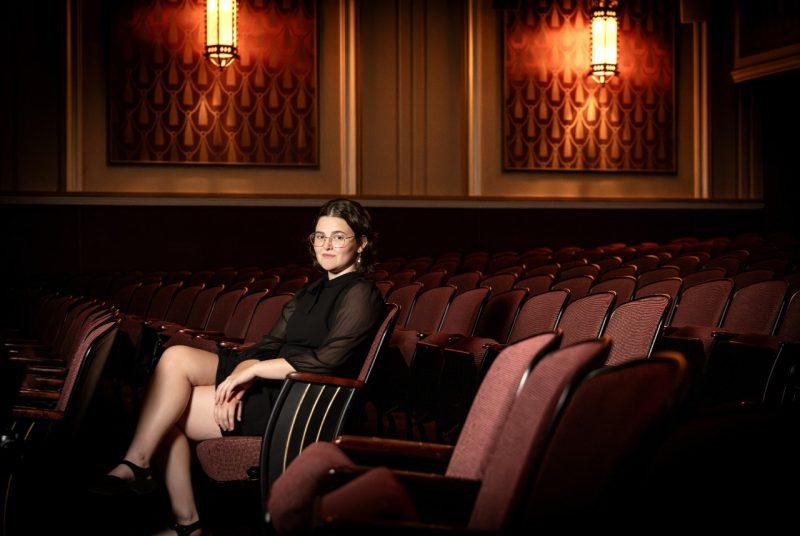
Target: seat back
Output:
{"points": [[756, 308], [523, 436], [419, 265], [623, 287], [645, 263], [202, 306], [659, 274], [671, 287], [312, 408], [475, 262], [237, 324], [539, 314], [591, 270], [729, 264], [464, 310], [464, 281], [291, 286], [622, 271], [790, 323], [404, 297], [492, 403], [402, 277], [499, 314], [545, 269], [499, 283], [266, 283], [140, 301], [223, 308], [586, 317], [610, 421], [686, 264], [702, 276], [122, 298], [703, 304], [536, 284], [578, 286], [609, 263], [743, 279], [384, 287], [391, 312], [181, 306], [430, 308], [266, 314], [634, 326], [162, 300], [431, 279]]}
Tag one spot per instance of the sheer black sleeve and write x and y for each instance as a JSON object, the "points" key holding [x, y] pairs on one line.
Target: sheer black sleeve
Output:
{"points": [[268, 347], [356, 316]]}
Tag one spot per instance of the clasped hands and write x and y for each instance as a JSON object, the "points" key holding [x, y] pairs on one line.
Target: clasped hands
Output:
{"points": [[228, 397]]}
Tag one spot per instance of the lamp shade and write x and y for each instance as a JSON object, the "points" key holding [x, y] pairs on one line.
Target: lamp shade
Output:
{"points": [[604, 41], [221, 32]]}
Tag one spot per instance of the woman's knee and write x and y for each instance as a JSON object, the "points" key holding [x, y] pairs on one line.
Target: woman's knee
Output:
{"points": [[174, 357]]}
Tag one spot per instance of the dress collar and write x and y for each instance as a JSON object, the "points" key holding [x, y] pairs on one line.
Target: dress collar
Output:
{"points": [[323, 282], [341, 280]]}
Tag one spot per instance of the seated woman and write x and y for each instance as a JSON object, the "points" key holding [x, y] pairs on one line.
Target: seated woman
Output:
{"points": [[326, 328]]}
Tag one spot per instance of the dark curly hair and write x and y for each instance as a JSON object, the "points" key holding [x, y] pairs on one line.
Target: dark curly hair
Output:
{"points": [[359, 221]]}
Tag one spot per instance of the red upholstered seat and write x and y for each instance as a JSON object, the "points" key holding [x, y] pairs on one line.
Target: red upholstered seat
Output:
{"points": [[623, 287], [585, 318], [634, 326]]}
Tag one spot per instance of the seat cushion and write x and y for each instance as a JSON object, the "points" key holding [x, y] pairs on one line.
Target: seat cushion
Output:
{"points": [[376, 495], [228, 458]]}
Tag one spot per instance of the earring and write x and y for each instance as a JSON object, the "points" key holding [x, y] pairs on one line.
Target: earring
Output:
{"points": [[358, 259]]}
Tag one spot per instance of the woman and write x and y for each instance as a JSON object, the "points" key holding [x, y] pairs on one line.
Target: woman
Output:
{"points": [[326, 328]]}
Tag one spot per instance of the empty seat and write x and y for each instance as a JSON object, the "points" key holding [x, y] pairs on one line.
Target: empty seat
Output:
{"points": [[578, 286], [622, 271], [546, 269], [703, 304], [426, 317], [742, 279], [592, 270], [464, 281], [404, 297], [686, 264], [608, 263], [623, 287], [536, 284], [499, 283], [634, 326], [586, 317], [402, 277], [702, 276], [665, 272], [431, 279]]}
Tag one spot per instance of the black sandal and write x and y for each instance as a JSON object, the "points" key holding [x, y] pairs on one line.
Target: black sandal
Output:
{"points": [[185, 530], [141, 484]]}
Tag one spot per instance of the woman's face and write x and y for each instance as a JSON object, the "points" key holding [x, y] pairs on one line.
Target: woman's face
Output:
{"points": [[337, 252]]}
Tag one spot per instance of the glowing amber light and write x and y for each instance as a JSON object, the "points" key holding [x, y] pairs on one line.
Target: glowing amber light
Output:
{"points": [[604, 43], [221, 32]]}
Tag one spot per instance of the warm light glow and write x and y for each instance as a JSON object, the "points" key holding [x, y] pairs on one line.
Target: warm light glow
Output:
{"points": [[604, 43], [221, 32]]}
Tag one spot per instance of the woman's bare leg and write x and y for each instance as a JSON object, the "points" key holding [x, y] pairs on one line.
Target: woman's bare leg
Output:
{"points": [[197, 424], [180, 369]]}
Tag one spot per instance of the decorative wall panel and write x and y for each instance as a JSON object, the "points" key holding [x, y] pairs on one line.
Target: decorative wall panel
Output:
{"points": [[168, 104], [556, 117]]}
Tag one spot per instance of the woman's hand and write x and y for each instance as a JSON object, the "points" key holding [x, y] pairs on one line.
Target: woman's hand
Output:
{"points": [[236, 383], [224, 414]]}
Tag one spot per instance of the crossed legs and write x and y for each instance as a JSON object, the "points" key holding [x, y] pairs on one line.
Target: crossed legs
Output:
{"points": [[179, 406]]}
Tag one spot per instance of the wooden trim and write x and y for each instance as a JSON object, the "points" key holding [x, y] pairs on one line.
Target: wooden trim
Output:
{"points": [[37, 413], [771, 63], [191, 200], [395, 447], [308, 377], [348, 103], [473, 100], [700, 110]]}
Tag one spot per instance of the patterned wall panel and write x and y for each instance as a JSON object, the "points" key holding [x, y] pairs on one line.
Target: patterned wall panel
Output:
{"points": [[167, 103], [558, 118]]}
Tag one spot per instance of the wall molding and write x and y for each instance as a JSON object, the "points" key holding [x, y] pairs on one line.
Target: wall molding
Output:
{"points": [[702, 180], [348, 104], [418, 202]]}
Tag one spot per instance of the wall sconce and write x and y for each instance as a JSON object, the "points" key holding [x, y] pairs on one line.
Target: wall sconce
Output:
{"points": [[604, 40], [221, 32]]}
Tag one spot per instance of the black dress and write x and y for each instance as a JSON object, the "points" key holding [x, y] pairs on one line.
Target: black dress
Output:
{"points": [[326, 328]]}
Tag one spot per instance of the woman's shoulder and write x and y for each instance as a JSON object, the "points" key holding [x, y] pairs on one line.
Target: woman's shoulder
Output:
{"points": [[364, 288]]}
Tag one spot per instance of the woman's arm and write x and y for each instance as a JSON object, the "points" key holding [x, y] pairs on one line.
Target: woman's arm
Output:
{"points": [[245, 372]]}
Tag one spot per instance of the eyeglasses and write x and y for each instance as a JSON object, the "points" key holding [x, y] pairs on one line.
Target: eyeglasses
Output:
{"points": [[338, 240]]}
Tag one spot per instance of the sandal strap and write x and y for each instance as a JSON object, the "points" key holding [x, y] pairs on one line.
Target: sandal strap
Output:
{"points": [[185, 530], [138, 472]]}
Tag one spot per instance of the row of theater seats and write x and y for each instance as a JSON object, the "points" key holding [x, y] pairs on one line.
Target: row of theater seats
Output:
{"points": [[451, 330]]}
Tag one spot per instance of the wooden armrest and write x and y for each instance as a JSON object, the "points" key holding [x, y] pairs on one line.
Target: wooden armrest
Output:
{"points": [[236, 346], [23, 412], [723, 335], [48, 370], [308, 377], [395, 447], [217, 337], [39, 393], [439, 340], [200, 332]]}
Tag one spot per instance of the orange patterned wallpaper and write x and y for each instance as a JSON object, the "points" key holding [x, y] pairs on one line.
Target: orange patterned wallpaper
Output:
{"points": [[558, 118], [167, 103]]}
